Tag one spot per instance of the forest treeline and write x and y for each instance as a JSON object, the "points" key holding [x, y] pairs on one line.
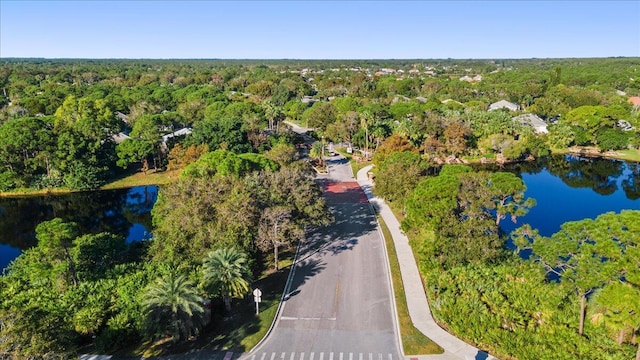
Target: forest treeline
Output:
{"points": [[78, 123], [241, 196]]}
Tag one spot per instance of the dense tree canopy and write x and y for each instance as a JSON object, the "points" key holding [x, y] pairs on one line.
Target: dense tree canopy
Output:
{"points": [[65, 123]]}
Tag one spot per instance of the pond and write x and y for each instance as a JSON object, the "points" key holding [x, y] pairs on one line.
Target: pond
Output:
{"points": [[125, 212], [570, 188], [566, 188]]}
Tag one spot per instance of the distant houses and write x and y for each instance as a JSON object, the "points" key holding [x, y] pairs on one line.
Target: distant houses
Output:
{"points": [[122, 117], [307, 100], [470, 79], [181, 132], [504, 104], [120, 137], [538, 125]]}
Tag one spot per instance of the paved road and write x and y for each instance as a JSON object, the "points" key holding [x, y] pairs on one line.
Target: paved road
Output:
{"points": [[339, 304]]}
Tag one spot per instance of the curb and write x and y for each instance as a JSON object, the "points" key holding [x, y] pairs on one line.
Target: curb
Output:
{"points": [[276, 318]]}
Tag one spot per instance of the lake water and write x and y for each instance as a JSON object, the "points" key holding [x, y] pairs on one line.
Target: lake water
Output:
{"points": [[566, 188], [125, 212]]}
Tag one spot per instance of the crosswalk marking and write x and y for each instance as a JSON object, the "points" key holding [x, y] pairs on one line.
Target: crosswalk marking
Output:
{"points": [[312, 356]]}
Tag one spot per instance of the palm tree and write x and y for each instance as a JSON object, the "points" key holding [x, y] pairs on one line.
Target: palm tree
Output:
{"points": [[173, 307], [226, 272], [366, 120], [317, 152]]}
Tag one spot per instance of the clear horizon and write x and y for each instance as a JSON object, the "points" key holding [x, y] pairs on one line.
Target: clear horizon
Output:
{"points": [[319, 30]]}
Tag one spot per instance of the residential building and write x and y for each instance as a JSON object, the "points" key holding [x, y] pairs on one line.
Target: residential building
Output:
{"points": [[504, 104], [539, 126]]}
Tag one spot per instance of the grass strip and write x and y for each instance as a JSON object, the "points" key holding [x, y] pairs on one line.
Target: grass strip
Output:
{"points": [[413, 341], [141, 179]]}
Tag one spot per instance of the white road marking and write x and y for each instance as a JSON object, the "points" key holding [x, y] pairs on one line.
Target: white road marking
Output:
{"points": [[341, 356], [330, 356], [292, 356], [311, 356], [273, 356], [321, 356], [301, 356], [263, 355], [282, 356]]}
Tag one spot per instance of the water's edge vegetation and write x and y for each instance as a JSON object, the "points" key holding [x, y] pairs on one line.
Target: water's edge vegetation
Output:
{"points": [[212, 134]]}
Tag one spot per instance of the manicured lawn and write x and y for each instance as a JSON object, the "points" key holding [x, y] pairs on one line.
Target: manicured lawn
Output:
{"points": [[135, 179], [413, 341], [139, 179], [629, 154]]}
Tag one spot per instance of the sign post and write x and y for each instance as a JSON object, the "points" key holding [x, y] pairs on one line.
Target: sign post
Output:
{"points": [[257, 299]]}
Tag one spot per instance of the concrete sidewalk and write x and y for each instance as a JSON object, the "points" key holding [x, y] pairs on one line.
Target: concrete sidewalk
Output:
{"points": [[455, 349]]}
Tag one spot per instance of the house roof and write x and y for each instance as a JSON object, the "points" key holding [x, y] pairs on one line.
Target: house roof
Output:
{"points": [[122, 116], [532, 120], [504, 104], [183, 131], [635, 100], [120, 137]]}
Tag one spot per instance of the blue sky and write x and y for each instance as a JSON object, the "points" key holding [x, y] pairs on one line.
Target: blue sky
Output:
{"points": [[319, 29]]}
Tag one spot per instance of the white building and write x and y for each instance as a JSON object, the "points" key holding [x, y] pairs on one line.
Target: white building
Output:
{"points": [[539, 126], [504, 104]]}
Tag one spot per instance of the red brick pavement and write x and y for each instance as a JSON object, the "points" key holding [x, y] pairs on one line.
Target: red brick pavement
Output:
{"points": [[348, 192]]}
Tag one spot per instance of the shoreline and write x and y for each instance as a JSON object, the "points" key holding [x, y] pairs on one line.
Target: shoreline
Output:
{"points": [[135, 179], [165, 177]]}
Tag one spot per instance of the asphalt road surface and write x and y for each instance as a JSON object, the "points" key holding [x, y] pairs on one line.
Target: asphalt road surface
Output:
{"points": [[338, 305]]}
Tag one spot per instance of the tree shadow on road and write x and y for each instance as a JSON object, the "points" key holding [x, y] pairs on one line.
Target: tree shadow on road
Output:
{"points": [[305, 269], [351, 222]]}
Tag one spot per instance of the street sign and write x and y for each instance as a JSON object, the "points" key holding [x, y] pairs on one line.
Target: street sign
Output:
{"points": [[257, 295], [257, 298]]}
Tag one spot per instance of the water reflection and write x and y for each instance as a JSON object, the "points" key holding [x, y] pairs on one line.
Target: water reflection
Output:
{"points": [[631, 185], [569, 188], [600, 175], [124, 212]]}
